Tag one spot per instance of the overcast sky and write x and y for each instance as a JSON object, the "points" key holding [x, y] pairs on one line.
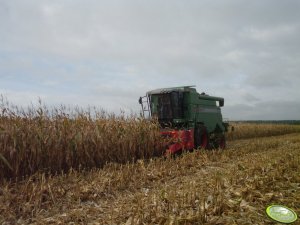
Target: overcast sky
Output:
{"points": [[108, 53]]}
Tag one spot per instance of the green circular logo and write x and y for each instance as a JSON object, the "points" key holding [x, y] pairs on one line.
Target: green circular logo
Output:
{"points": [[281, 214]]}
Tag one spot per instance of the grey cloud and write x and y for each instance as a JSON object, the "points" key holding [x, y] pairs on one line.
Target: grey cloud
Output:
{"points": [[267, 110], [244, 51], [250, 98]]}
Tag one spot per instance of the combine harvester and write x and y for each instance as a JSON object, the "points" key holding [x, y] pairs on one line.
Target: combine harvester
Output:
{"points": [[190, 119]]}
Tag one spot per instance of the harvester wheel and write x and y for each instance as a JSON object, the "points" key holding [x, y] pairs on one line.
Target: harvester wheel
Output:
{"points": [[222, 142], [201, 137]]}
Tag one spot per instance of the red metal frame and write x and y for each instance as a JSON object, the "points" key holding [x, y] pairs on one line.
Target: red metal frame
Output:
{"points": [[181, 140]]}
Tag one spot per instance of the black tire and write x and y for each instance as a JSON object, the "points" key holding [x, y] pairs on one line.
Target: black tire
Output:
{"points": [[201, 139], [222, 142]]}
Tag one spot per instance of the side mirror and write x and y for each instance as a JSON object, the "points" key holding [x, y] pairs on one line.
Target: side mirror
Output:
{"points": [[140, 100], [221, 102]]}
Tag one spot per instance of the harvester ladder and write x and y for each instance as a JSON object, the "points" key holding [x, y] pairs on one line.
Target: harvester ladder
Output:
{"points": [[144, 101]]}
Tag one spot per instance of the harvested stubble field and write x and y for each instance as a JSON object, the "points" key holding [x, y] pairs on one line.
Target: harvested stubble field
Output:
{"points": [[233, 186]]}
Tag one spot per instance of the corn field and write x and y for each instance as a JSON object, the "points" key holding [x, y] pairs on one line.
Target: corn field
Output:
{"points": [[252, 130], [39, 139], [54, 141], [62, 166]]}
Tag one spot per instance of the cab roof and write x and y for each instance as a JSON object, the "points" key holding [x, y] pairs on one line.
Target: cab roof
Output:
{"points": [[171, 89], [202, 96]]}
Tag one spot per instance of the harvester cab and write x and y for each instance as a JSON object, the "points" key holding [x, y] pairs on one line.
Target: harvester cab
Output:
{"points": [[185, 115]]}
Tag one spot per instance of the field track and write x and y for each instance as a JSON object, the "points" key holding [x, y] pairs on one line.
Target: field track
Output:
{"points": [[204, 187]]}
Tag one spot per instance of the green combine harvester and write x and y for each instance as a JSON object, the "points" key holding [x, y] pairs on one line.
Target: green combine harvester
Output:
{"points": [[191, 119]]}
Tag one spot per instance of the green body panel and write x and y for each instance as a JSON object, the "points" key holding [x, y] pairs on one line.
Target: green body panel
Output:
{"points": [[193, 108]]}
